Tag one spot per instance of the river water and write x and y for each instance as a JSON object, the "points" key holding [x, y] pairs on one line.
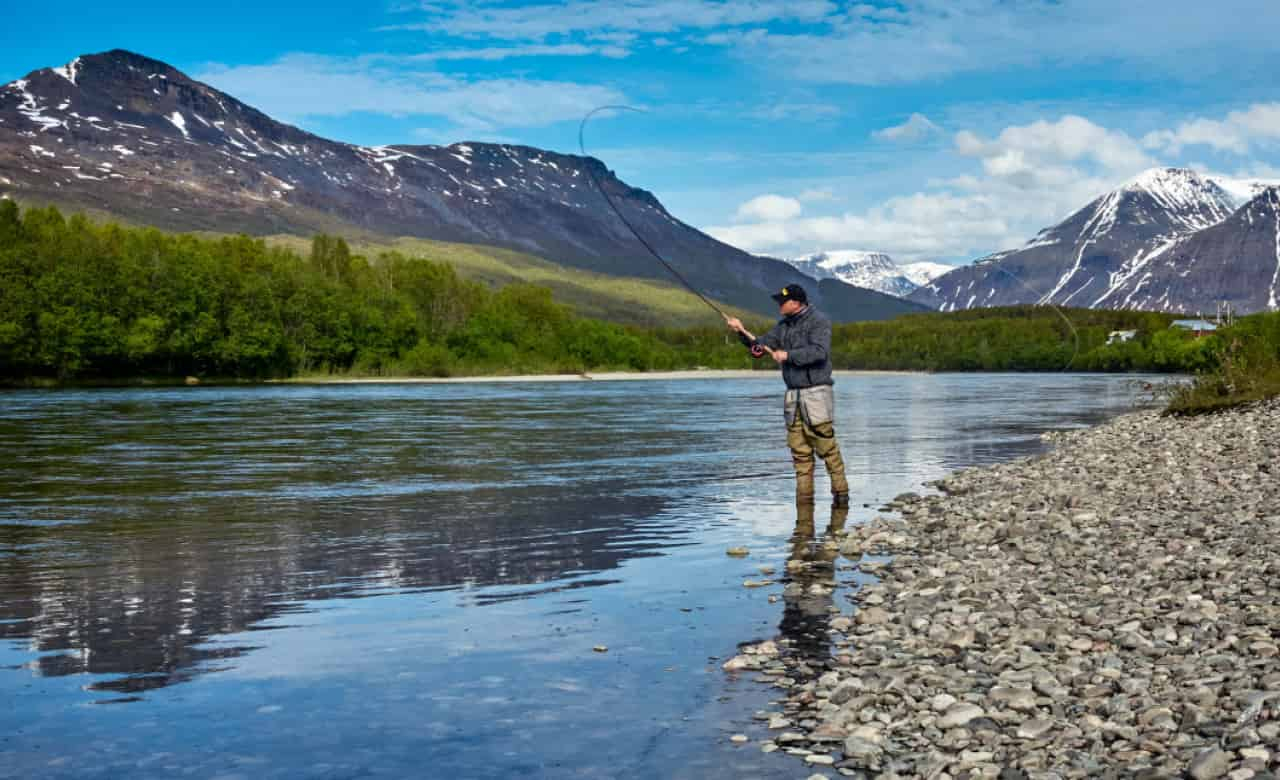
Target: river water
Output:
{"points": [[410, 580]]}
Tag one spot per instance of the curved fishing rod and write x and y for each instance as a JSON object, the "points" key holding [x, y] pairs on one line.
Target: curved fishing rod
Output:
{"points": [[583, 149]]}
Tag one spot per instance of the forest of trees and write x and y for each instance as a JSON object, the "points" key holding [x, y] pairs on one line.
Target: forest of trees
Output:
{"points": [[81, 301]]}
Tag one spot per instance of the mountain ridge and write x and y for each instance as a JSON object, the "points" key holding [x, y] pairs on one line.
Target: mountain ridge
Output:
{"points": [[869, 269], [130, 136], [1112, 252]]}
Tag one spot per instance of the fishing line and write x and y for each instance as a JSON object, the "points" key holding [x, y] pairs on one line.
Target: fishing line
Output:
{"points": [[1075, 334], [583, 149]]}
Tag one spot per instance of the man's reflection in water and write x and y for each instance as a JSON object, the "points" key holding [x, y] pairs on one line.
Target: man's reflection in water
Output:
{"points": [[809, 594]]}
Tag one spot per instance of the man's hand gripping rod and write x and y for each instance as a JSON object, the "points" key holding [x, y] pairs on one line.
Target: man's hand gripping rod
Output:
{"points": [[757, 349]]}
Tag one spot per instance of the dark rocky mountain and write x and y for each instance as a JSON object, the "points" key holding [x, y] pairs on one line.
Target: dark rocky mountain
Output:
{"points": [[1236, 262], [1127, 249], [133, 137]]}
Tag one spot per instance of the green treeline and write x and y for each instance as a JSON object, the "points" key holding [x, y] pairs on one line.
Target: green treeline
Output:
{"points": [[80, 300], [86, 302], [1022, 338]]}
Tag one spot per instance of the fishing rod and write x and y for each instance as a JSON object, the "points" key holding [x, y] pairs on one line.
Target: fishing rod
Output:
{"points": [[591, 173], [757, 350]]}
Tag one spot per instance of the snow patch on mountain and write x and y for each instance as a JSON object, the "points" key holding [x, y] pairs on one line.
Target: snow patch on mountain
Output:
{"points": [[1244, 190], [923, 272], [1196, 201], [69, 71], [31, 108], [179, 122], [871, 270]]}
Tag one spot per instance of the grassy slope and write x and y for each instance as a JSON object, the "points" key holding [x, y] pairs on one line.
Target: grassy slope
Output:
{"points": [[618, 299]]}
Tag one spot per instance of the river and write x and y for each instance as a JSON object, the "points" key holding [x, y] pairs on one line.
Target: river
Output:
{"points": [[411, 580]]}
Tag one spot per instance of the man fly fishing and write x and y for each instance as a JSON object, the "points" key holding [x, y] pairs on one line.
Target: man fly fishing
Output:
{"points": [[801, 344]]}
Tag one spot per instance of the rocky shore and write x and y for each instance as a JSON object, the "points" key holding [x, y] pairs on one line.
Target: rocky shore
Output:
{"points": [[1109, 609]]}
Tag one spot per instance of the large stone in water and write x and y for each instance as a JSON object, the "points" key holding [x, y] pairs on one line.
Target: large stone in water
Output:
{"points": [[871, 616], [862, 752]]}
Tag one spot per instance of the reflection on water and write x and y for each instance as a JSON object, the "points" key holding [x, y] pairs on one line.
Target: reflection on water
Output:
{"points": [[809, 594], [405, 570], [138, 599]]}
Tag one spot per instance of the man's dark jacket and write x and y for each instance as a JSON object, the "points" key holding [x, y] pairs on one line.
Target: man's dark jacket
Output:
{"points": [[806, 337]]}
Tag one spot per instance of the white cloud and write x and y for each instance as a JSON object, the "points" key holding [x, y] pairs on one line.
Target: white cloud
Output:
{"points": [[1237, 132], [1035, 155], [598, 17], [923, 225], [491, 53], [1027, 177], [816, 195], [793, 111], [916, 127], [308, 85], [918, 40], [769, 208]]}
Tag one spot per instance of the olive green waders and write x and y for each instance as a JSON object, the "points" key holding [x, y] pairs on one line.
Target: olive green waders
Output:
{"points": [[809, 413]]}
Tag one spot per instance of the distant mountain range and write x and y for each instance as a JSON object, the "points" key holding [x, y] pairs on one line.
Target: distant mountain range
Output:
{"points": [[1170, 239], [872, 270], [128, 136]]}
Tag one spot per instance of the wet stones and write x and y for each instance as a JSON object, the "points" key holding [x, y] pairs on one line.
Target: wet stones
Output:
{"points": [[1210, 764], [1111, 608], [1034, 728], [1020, 699], [871, 616], [959, 715]]}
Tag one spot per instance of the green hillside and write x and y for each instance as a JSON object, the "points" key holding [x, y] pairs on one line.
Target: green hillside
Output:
{"points": [[86, 301], [626, 300]]}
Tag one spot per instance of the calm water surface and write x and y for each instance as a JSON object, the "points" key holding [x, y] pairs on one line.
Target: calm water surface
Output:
{"points": [[409, 580]]}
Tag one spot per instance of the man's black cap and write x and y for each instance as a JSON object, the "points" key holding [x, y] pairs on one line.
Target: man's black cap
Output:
{"points": [[792, 292]]}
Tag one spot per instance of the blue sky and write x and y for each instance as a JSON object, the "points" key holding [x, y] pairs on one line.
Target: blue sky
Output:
{"points": [[930, 129]]}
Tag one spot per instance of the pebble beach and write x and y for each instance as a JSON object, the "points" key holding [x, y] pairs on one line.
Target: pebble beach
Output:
{"points": [[1108, 609]]}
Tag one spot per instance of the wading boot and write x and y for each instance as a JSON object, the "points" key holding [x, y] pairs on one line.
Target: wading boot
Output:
{"points": [[838, 517]]}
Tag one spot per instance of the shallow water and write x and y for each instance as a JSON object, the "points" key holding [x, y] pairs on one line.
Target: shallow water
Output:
{"points": [[409, 580]]}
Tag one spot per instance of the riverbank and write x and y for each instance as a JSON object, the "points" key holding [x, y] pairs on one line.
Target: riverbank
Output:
{"points": [[332, 379], [590, 376], [1111, 608]]}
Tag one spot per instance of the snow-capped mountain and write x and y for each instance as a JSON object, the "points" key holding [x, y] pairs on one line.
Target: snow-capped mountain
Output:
{"points": [[872, 270], [1244, 190], [1094, 257], [923, 272], [1236, 261], [133, 137]]}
